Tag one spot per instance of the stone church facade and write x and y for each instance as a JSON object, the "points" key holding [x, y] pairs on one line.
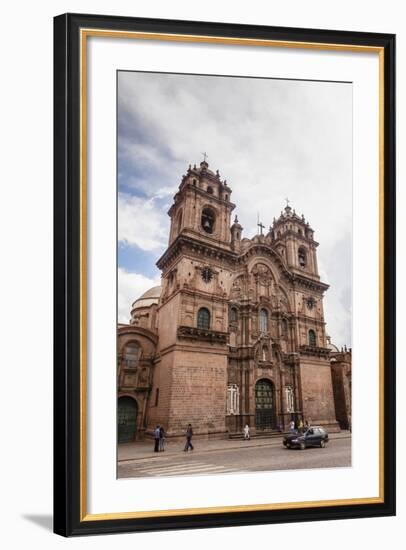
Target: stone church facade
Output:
{"points": [[235, 334]]}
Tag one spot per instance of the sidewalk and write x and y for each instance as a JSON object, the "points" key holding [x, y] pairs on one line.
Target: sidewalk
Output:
{"points": [[145, 449]]}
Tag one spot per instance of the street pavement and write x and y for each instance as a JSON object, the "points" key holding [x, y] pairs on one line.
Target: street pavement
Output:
{"points": [[226, 457]]}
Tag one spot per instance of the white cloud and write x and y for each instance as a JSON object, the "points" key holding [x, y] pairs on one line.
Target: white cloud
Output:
{"points": [[130, 287], [271, 139], [141, 223]]}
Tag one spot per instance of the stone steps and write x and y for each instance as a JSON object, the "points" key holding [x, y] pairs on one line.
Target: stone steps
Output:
{"points": [[260, 435]]}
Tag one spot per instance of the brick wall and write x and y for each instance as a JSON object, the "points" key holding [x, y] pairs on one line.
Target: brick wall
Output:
{"points": [[192, 389], [317, 392]]}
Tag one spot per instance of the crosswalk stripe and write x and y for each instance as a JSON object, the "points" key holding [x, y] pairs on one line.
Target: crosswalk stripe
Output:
{"points": [[174, 465], [191, 471], [199, 472], [182, 467]]}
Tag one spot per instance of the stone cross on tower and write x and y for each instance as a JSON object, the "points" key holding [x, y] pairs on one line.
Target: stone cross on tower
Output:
{"points": [[205, 157]]}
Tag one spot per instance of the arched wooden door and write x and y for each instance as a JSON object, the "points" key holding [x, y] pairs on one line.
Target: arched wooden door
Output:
{"points": [[127, 411], [265, 417]]}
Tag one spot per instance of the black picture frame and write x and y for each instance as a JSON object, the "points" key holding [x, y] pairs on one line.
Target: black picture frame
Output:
{"points": [[68, 519]]}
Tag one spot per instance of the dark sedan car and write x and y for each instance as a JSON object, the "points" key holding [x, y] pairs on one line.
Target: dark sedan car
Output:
{"points": [[314, 436]]}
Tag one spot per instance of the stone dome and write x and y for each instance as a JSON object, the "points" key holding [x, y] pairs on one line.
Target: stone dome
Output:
{"points": [[332, 347], [149, 298]]}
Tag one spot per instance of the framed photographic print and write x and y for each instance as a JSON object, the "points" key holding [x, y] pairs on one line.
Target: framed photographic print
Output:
{"points": [[224, 274]]}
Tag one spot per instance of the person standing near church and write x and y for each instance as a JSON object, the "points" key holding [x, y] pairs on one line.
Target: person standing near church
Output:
{"points": [[189, 435], [247, 432], [161, 439], [157, 433]]}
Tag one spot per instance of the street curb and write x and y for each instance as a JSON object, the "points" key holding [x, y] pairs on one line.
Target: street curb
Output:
{"points": [[272, 443]]}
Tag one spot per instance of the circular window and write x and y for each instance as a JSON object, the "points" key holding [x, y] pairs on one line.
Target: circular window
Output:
{"points": [[207, 274], [311, 302]]}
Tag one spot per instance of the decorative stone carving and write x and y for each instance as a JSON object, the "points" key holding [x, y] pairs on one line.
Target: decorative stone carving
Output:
{"points": [[237, 288]]}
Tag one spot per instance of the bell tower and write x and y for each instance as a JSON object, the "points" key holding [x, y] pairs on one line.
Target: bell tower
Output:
{"points": [[202, 207], [294, 239], [191, 371]]}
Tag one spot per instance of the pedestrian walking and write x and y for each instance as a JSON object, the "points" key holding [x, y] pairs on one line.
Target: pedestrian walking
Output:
{"points": [[157, 432], [292, 427], [301, 426], [247, 434], [189, 435], [161, 439]]}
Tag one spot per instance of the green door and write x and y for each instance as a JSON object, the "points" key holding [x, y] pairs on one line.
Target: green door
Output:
{"points": [[126, 419], [264, 405]]}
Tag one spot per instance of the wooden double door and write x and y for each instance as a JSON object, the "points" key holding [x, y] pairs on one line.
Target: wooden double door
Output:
{"points": [[265, 413], [127, 411]]}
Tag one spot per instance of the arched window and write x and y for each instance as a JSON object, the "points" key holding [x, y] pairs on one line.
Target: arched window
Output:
{"points": [[203, 318], [210, 190], [263, 320], [233, 315], [302, 257], [312, 338], [131, 354], [265, 353], [226, 197], [299, 231], [208, 219]]}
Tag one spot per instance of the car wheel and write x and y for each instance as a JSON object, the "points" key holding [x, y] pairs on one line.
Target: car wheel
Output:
{"points": [[322, 444], [302, 446], [288, 445]]}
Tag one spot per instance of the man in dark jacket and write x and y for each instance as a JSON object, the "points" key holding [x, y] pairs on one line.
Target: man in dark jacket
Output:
{"points": [[189, 435], [161, 438], [157, 434]]}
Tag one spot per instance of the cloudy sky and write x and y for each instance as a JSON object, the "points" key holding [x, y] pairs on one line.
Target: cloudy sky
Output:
{"points": [[270, 139]]}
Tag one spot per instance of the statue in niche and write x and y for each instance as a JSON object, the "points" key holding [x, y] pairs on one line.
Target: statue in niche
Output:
{"points": [[237, 288], [275, 298], [143, 379], [264, 279], [283, 303], [265, 353]]}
